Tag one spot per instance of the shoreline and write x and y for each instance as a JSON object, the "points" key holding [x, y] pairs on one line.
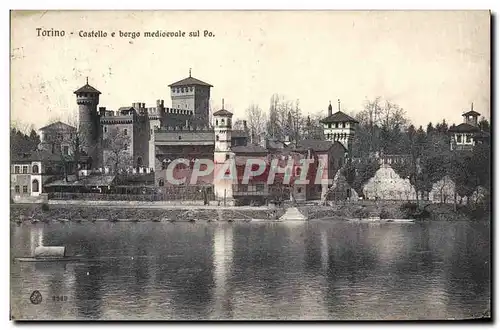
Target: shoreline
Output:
{"points": [[105, 211]]}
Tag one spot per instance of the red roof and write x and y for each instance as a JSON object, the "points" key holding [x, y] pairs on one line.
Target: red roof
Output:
{"points": [[87, 89], [472, 113], [222, 112], [338, 117], [189, 81]]}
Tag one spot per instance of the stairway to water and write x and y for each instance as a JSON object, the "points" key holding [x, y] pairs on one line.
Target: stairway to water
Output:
{"points": [[293, 214]]}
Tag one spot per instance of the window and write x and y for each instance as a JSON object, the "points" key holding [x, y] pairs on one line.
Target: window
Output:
{"points": [[65, 150], [336, 125], [259, 187], [459, 138], [125, 131], [161, 183], [25, 189], [297, 171], [216, 138], [25, 169], [17, 189], [17, 169], [180, 137], [34, 186], [125, 146], [59, 136], [216, 122], [222, 121], [299, 190], [468, 138], [105, 129], [227, 157], [34, 169], [343, 125]]}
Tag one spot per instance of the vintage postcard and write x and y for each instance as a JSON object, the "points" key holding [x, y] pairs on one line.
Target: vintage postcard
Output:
{"points": [[250, 165]]}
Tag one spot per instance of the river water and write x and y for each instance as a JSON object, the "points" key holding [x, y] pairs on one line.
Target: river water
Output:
{"points": [[312, 270]]}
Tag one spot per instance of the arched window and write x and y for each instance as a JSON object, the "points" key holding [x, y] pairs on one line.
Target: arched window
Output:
{"points": [[35, 186], [161, 183], [35, 169], [216, 122]]}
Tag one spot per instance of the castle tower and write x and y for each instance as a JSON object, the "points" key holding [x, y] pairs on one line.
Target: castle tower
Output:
{"points": [[339, 127], [192, 94], [222, 152], [155, 116], [87, 98], [470, 117]]}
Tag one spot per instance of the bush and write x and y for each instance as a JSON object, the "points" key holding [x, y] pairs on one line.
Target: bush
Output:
{"points": [[384, 214], [45, 207], [360, 213], [413, 211]]}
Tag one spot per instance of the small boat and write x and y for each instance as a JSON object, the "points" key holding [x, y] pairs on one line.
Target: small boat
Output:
{"points": [[49, 254], [63, 259], [400, 220]]}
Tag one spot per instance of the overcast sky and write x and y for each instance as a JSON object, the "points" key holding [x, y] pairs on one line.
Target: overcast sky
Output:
{"points": [[433, 64]]}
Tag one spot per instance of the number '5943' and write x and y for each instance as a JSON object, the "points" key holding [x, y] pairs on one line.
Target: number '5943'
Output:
{"points": [[59, 298]]}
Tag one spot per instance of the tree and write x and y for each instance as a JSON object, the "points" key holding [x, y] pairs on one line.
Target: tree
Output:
{"points": [[256, 122], [21, 141], [430, 129], [116, 149], [484, 125]]}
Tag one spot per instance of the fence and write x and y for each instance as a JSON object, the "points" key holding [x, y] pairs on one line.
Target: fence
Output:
{"points": [[160, 194]]}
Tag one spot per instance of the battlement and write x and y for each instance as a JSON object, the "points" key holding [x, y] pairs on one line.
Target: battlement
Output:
{"points": [[179, 111], [186, 128]]}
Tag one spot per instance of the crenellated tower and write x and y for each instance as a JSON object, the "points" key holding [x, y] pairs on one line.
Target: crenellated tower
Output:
{"points": [[339, 127], [194, 95], [87, 98], [222, 152]]}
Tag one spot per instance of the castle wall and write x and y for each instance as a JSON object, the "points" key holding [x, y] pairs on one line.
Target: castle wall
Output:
{"points": [[124, 123]]}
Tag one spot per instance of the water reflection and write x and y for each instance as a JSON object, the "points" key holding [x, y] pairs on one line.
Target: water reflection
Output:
{"points": [[312, 270]]}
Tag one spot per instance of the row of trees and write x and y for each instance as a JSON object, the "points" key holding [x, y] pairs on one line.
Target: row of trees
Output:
{"points": [[383, 129]]}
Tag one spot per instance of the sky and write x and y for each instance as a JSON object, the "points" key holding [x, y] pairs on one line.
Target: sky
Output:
{"points": [[432, 64]]}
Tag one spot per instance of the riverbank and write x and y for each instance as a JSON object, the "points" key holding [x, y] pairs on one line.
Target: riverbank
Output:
{"points": [[143, 211]]}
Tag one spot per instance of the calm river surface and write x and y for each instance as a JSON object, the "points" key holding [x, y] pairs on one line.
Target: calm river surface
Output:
{"points": [[313, 270]]}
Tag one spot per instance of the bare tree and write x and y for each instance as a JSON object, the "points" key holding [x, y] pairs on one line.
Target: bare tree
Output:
{"points": [[116, 149], [256, 122]]}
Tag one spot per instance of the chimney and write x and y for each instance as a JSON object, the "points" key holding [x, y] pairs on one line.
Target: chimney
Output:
{"points": [[330, 109]]}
